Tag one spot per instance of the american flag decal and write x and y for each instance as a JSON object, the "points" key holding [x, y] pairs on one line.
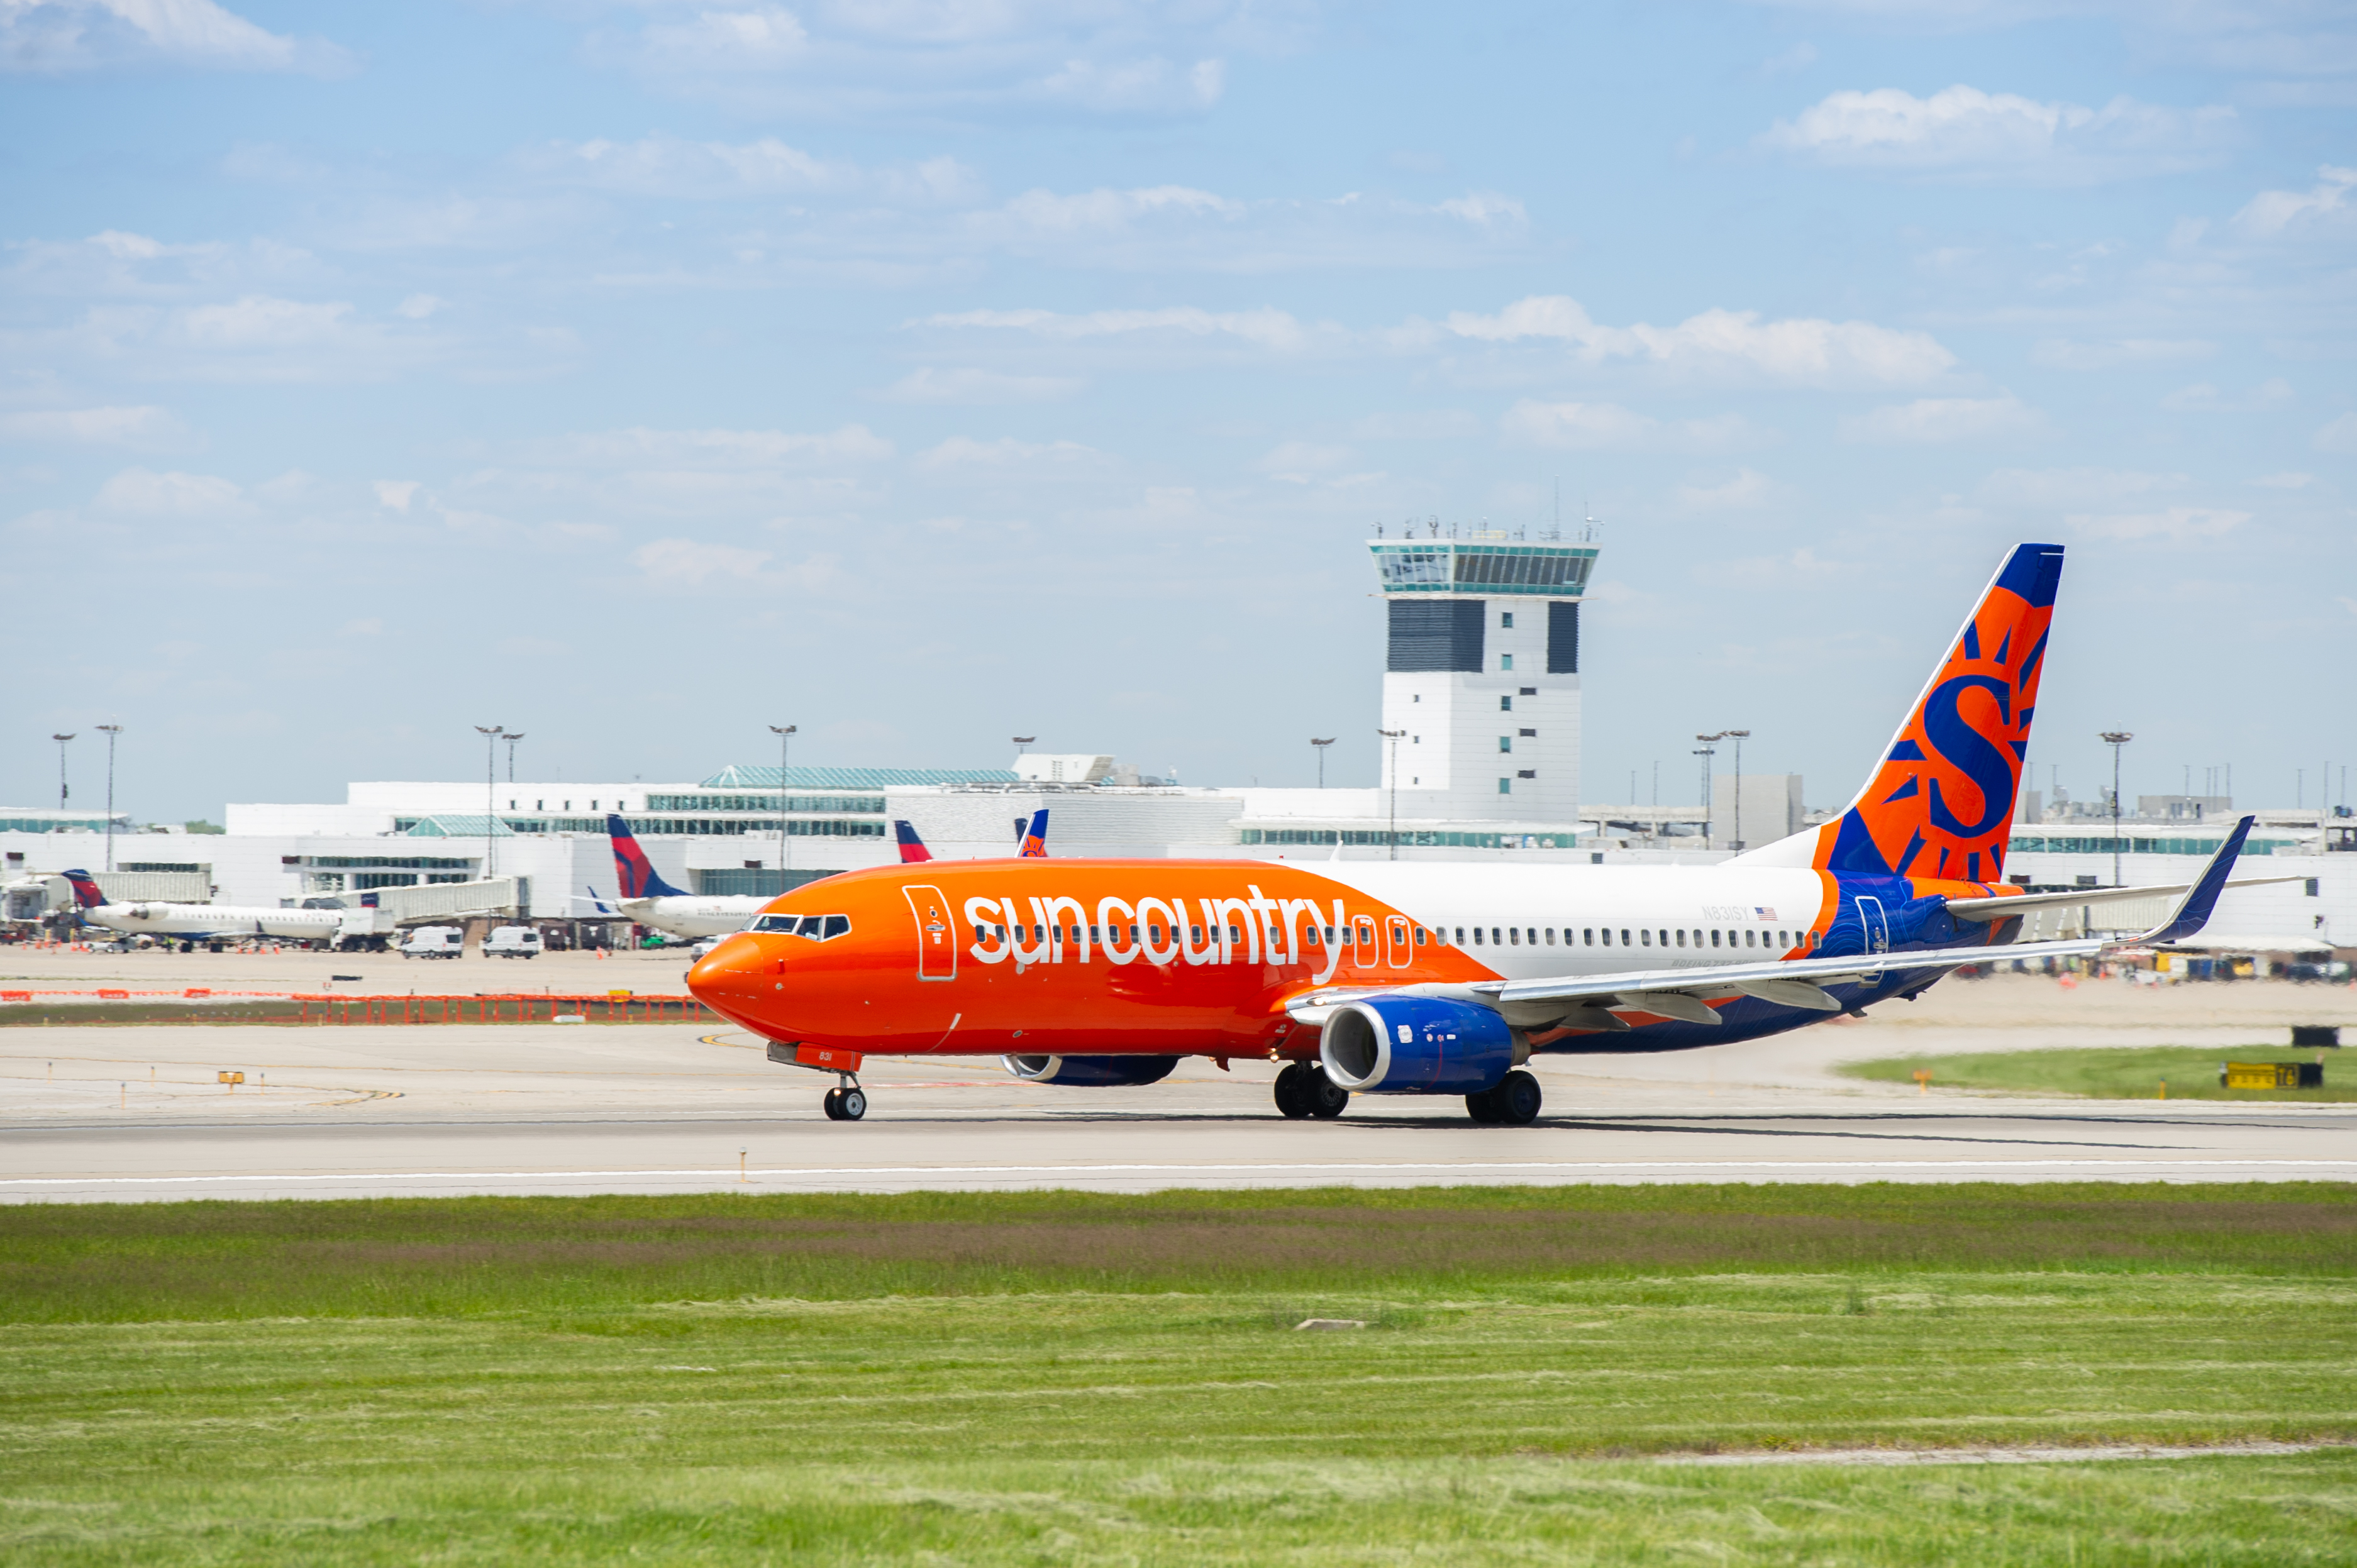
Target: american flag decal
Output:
{"points": [[1763, 912]]}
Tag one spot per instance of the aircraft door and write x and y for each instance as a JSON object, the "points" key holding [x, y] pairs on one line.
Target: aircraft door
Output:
{"points": [[1396, 949], [1878, 927], [937, 942], [1362, 941]]}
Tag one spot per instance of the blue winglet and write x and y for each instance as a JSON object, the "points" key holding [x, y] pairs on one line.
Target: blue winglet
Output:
{"points": [[2194, 912]]}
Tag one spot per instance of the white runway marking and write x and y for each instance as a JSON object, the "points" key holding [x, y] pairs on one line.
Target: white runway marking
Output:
{"points": [[1354, 1168]]}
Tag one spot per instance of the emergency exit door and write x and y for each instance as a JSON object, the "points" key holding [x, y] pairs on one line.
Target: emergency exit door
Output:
{"points": [[937, 941]]}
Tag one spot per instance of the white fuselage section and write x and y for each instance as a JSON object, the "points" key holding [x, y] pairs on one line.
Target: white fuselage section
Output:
{"points": [[215, 920], [688, 916]]}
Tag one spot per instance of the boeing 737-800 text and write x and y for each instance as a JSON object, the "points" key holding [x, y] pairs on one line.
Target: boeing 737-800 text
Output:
{"points": [[1408, 978]]}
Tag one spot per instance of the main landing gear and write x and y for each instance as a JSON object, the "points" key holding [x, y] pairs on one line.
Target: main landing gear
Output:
{"points": [[1514, 1102], [1303, 1089], [846, 1102]]}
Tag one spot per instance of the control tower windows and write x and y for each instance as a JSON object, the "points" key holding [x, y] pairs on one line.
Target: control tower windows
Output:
{"points": [[1505, 705], [1436, 635], [1505, 661], [1505, 743], [1530, 735], [1506, 621], [1563, 636]]}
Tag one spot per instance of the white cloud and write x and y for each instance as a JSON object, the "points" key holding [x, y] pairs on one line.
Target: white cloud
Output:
{"points": [[1963, 131], [1487, 209], [759, 37], [1748, 489], [258, 321], [690, 564], [2272, 214], [964, 452], [1808, 351], [2339, 435], [84, 34], [395, 495], [1598, 427], [2202, 397], [2179, 524], [1107, 208], [1298, 462], [2064, 354], [141, 426], [138, 493], [986, 387], [418, 306], [2062, 489], [640, 446], [1263, 329], [672, 166], [1931, 420]]}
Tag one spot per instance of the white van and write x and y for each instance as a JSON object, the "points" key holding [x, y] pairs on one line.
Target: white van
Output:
{"points": [[512, 941], [435, 941]]}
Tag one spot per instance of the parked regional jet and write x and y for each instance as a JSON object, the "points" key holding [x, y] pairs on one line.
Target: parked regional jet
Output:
{"points": [[198, 922], [648, 900], [1408, 978]]}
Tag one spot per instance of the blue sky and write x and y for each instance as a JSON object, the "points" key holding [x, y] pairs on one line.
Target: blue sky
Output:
{"points": [[924, 373]]}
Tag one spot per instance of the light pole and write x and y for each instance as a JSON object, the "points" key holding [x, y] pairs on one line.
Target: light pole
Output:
{"points": [[1706, 751], [62, 792], [1738, 736], [1321, 746], [784, 733], [1393, 737], [2116, 738], [491, 735], [111, 731], [511, 737]]}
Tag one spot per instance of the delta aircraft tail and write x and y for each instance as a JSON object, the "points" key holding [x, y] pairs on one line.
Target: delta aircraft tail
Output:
{"points": [[912, 848], [1035, 839], [85, 890], [1940, 803], [639, 876]]}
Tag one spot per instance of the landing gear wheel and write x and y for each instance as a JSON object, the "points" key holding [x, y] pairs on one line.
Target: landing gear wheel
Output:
{"points": [[853, 1103], [1482, 1106], [1327, 1099], [1515, 1101], [1293, 1093], [833, 1104]]}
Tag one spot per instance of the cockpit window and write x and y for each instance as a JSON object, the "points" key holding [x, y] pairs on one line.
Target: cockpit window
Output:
{"points": [[836, 926], [784, 923]]}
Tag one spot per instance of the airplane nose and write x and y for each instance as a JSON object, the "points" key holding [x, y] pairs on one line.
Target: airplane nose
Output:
{"points": [[731, 969]]}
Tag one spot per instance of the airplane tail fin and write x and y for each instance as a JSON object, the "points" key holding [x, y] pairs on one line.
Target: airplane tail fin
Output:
{"points": [[85, 890], [1940, 803], [637, 875], [1035, 839], [912, 848]]}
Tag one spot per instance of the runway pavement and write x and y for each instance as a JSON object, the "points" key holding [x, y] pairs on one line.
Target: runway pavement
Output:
{"points": [[138, 1113]]}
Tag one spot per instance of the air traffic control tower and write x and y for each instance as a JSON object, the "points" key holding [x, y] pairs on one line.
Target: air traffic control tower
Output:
{"points": [[1483, 675]]}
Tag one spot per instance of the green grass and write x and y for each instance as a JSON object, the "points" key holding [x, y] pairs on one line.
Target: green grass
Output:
{"points": [[1058, 1378], [2106, 1072]]}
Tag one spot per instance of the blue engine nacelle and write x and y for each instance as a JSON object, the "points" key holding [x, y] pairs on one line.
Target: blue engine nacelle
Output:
{"points": [[1091, 1072], [1415, 1045]]}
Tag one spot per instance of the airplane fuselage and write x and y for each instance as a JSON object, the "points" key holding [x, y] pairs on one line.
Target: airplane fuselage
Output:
{"points": [[160, 920], [690, 916], [1103, 957]]}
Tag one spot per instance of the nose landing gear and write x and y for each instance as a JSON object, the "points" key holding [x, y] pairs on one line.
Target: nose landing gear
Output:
{"points": [[846, 1102], [1303, 1089]]}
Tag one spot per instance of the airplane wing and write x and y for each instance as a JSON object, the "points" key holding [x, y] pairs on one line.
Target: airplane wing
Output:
{"points": [[2002, 906], [1587, 1001]]}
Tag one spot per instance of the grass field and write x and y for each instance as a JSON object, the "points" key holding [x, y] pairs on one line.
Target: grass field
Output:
{"points": [[1053, 1377], [2113, 1073]]}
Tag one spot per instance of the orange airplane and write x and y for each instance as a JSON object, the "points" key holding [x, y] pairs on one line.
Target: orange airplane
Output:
{"points": [[1422, 978]]}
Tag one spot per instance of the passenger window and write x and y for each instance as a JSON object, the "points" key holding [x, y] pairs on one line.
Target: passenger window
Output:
{"points": [[978, 938], [836, 926], [1624, 936], [1608, 936], [1587, 937], [1749, 937], [1197, 935], [1155, 933], [1038, 934], [1477, 936], [1714, 938], [1460, 935], [1002, 932], [1495, 939], [1515, 935], [1666, 939], [1682, 938], [1092, 933], [1648, 937], [1235, 938], [1550, 935]]}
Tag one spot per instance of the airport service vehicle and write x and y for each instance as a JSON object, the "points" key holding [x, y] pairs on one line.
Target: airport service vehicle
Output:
{"points": [[199, 921], [434, 941], [512, 941], [1432, 979]]}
